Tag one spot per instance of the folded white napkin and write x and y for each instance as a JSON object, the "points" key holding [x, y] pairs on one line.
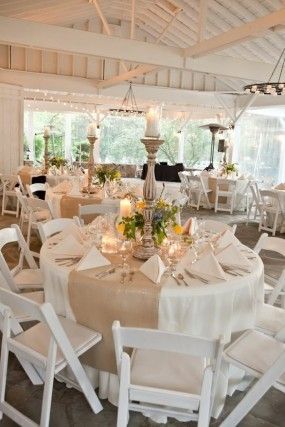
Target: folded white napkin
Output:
{"points": [[92, 259], [209, 266], [232, 256], [73, 230], [190, 226], [69, 246], [153, 268], [227, 238]]}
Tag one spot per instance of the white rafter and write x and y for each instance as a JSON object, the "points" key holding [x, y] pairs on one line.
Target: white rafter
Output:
{"points": [[202, 19], [237, 35], [132, 34]]}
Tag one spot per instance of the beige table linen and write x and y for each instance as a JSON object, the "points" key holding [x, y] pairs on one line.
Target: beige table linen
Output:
{"points": [[97, 303], [69, 205]]}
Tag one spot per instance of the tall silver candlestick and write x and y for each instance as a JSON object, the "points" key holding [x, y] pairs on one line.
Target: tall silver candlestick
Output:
{"points": [[147, 248], [46, 156], [92, 140]]}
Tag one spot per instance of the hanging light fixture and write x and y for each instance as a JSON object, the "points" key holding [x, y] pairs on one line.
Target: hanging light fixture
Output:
{"points": [[129, 105], [270, 87]]}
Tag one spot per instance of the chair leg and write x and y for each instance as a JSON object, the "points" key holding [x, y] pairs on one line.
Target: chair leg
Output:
{"points": [[275, 224], [3, 203], [48, 387], [123, 406], [4, 364]]}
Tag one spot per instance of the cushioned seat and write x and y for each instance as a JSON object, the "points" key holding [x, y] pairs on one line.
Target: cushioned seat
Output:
{"points": [[42, 215], [170, 371], [257, 351], [270, 319], [29, 278], [38, 338]]}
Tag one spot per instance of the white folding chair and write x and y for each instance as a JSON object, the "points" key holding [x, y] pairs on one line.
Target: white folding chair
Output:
{"points": [[255, 203], [273, 287], [104, 208], [39, 211], [218, 226], [270, 211], [262, 357], [225, 188], [269, 319], [198, 190], [9, 183], [24, 210], [54, 226], [184, 182], [33, 188], [51, 345], [21, 185], [19, 278], [170, 374]]}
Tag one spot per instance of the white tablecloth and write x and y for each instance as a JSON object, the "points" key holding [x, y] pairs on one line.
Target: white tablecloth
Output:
{"points": [[172, 189], [218, 308]]}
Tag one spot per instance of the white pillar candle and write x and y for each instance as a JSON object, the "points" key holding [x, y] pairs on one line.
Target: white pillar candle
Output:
{"points": [[47, 131], [125, 208], [91, 130], [152, 123]]}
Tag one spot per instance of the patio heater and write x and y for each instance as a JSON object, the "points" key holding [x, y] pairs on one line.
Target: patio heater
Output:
{"points": [[214, 128]]}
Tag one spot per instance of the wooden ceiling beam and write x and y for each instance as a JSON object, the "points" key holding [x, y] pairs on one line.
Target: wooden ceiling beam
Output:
{"points": [[236, 35]]}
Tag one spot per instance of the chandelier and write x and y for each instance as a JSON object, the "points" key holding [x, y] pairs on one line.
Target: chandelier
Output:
{"points": [[270, 87], [129, 106]]}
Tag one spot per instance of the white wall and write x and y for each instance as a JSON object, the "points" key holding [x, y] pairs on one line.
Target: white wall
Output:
{"points": [[11, 127]]}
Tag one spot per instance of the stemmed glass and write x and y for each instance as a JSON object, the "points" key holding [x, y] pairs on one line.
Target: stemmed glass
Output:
{"points": [[124, 250]]}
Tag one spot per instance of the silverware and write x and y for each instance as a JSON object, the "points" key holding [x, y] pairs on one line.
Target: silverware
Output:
{"points": [[235, 268], [175, 278], [131, 276], [196, 276], [105, 272], [181, 277]]}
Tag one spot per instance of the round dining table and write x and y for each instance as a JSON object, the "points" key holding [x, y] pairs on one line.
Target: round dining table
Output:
{"points": [[213, 309]]}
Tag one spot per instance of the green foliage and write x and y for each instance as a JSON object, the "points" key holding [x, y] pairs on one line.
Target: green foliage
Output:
{"points": [[57, 161], [104, 173]]}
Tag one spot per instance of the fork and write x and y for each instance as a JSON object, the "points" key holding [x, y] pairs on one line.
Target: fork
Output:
{"points": [[176, 279], [181, 277]]}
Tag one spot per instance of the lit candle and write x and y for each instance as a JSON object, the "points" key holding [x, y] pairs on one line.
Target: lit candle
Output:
{"points": [[125, 208], [91, 130], [109, 244], [152, 123], [47, 131]]}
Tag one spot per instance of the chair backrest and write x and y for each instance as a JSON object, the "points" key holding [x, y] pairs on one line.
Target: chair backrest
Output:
{"points": [[22, 199], [14, 235], [33, 188], [98, 209], [218, 226], [37, 205], [9, 181], [225, 184], [152, 339], [274, 244], [270, 197], [22, 187], [54, 226]]}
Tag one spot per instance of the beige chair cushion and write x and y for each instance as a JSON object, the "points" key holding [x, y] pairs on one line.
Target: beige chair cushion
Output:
{"points": [[170, 371], [29, 278], [38, 338], [270, 318], [257, 351]]}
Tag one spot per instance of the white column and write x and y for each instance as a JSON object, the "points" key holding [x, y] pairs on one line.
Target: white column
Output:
{"points": [[181, 143], [67, 136], [31, 135], [11, 128], [96, 151]]}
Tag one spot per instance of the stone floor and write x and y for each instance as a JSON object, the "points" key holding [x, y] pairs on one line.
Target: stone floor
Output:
{"points": [[69, 408]]}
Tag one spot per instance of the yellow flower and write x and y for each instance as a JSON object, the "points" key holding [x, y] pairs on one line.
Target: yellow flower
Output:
{"points": [[140, 204], [178, 229], [121, 228]]}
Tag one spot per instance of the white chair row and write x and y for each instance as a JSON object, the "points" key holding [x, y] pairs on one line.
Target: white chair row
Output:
{"points": [[8, 183]]}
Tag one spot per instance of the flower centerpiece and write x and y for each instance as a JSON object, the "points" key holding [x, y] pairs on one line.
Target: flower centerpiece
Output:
{"points": [[104, 173], [229, 168], [57, 161], [164, 219]]}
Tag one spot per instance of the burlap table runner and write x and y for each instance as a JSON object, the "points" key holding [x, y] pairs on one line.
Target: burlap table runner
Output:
{"points": [[97, 303], [69, 206]]}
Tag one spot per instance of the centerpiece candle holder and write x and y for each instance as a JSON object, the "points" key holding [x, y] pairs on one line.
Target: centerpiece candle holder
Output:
{"points": [[92, 139], [147, 247]]}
